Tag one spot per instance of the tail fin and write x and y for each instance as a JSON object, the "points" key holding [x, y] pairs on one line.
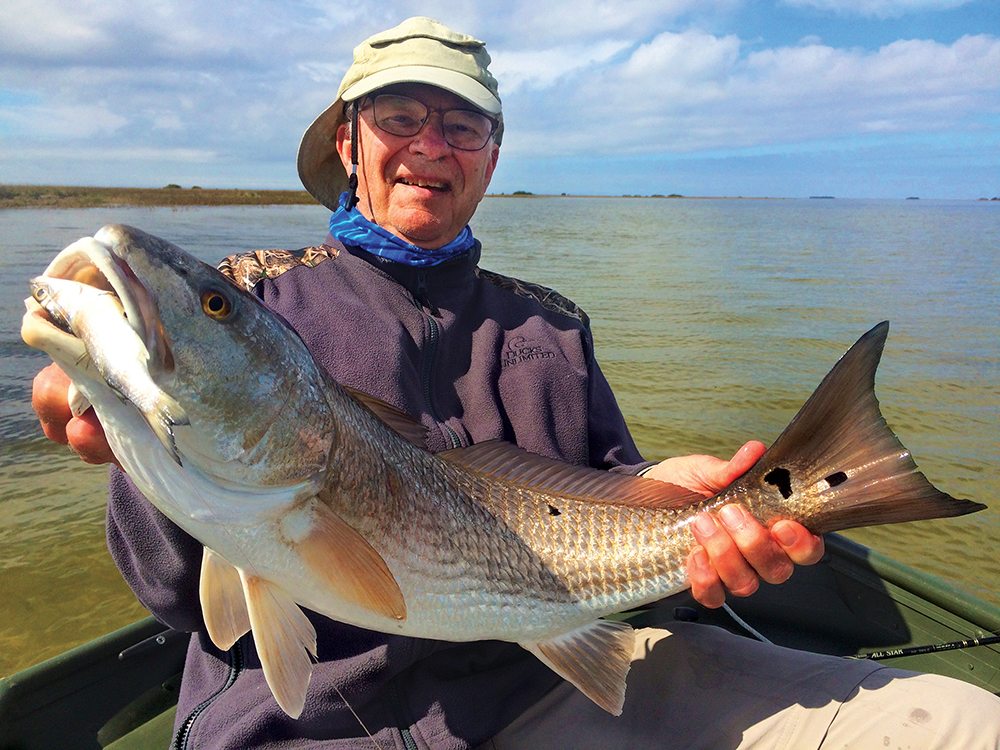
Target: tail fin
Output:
{"points": [[838, 465]]}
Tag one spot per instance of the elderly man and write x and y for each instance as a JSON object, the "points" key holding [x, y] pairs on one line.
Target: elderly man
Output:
{"points": [[395, 305]]}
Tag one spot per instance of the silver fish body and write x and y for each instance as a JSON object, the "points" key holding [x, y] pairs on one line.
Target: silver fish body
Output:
{"points": [[305, 493]]}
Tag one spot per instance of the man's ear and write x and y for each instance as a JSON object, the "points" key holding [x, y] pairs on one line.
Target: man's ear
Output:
{"points": [[490, 166], [344, 145]]}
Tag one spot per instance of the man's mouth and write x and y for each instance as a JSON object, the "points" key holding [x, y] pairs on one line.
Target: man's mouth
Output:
{"points": [[437, 185]]}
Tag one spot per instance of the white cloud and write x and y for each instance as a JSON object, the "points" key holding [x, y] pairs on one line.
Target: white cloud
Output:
{"points": [[110, 155], [878, 8], [529, 24], [687, 58], [62, 121], [542, 68], [240, 81], [694, 91]]}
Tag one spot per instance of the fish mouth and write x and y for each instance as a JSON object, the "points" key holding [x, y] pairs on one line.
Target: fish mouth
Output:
{"points": [[92, 261]]}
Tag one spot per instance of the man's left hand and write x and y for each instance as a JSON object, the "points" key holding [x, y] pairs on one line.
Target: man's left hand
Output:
{"points": [[734, 551]]}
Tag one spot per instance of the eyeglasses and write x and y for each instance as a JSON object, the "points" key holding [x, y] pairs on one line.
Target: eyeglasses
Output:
{"points": [[463, 129]]}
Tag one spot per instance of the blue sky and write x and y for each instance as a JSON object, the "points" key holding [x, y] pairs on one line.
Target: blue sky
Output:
{"points": [[789, 98]]}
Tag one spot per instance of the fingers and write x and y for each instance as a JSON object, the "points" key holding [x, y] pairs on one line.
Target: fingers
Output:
{"points": [[706, 474], [801, 545], [49, 400], [706, 586], [735, 552], [741, 462], [84, 434], [735, 545]]}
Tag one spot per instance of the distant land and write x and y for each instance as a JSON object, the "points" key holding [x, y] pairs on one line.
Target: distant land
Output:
{"points": [[61, 196], [52, 196]]}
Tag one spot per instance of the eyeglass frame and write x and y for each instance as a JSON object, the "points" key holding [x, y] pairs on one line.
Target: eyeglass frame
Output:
{"points": [[371, 98]]}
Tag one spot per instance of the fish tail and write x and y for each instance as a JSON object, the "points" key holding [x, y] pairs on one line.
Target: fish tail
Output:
{"points": [[838, 465]]}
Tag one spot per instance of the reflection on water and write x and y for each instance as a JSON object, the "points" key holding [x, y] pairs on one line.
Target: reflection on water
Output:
{"points": [[713, 320]]}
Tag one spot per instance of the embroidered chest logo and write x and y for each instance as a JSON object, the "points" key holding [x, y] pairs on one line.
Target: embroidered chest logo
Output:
{"points": [[519, 349]]}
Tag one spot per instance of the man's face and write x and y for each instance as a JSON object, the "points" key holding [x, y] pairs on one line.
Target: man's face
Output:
{"points": [[418, 187]]}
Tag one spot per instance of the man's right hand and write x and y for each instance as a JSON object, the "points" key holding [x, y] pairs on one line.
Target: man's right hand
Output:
{"points": [[84, 434]]}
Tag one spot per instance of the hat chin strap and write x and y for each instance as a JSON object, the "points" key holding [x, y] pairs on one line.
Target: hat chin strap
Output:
{"points": [[352, 180]]}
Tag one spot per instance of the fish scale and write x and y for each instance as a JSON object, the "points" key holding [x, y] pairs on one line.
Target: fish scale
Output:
{"points": [[306, 494]]}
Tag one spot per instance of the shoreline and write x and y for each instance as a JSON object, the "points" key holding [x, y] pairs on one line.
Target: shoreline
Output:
{"points": [[63, 196], [69, 196]]}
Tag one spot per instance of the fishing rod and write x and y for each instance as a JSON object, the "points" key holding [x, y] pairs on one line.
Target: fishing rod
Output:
{"points": [[933, 648]]}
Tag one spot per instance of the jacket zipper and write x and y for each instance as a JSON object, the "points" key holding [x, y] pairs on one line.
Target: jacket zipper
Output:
{"points": [[404, 729], [235, 658], [426, 373]]}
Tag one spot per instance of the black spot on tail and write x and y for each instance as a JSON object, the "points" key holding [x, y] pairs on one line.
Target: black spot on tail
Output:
{"points": [[554, 511], [782, 479], [836, 478]]}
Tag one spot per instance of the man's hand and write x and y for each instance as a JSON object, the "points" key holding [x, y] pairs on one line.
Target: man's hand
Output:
{"points": [[84, 434], [734, 551]]}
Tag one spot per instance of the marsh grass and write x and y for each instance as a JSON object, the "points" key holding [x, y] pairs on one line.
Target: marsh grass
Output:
{"points": [[57, 196]]}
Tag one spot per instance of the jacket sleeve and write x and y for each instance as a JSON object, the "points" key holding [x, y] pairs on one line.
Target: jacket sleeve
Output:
{"points": [[611, 443], [160, 562]]}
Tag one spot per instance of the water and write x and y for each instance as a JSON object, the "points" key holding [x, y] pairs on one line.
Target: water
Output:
{"points": [[713, 320]]}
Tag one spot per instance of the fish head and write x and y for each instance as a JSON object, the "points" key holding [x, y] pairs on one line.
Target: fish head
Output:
{"points": [[225, 386]]}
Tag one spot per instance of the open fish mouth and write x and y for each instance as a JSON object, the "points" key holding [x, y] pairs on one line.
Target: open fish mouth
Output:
{"points": [[94, 263]]}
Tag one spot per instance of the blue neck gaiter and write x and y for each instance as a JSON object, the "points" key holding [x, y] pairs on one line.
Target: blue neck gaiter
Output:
{"points": [[352, 228]]}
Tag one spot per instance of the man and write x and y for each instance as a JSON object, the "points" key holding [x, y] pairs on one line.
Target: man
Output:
{"points": [[399, 308]]}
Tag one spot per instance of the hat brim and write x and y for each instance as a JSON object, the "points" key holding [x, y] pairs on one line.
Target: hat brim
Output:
{"points": [[457, 83], [320, 168]]}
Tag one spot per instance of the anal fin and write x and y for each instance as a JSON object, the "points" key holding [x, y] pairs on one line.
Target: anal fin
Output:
{"points": [[285, 641], [595, 657], [222, 601]]}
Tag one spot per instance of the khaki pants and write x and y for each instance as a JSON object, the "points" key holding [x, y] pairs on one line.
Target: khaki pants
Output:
{"points": [[702, 687]]}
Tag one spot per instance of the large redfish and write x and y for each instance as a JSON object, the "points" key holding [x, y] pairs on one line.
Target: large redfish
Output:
{"points": [[305, 493]]}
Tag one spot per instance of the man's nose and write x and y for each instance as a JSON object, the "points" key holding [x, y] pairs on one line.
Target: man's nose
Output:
{"points": [[430, 140]]}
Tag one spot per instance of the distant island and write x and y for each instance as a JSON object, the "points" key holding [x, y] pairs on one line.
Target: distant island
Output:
{"points": [[52, 196], [61, 196]]}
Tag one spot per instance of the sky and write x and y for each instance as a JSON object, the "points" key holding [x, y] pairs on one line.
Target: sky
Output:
{"points": [[781, 98]]}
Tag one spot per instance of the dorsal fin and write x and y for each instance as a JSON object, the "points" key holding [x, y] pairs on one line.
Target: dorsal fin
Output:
{"points": [[397, 420], [513, 465]]}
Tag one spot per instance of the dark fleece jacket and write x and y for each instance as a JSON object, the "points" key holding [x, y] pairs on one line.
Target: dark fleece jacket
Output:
{"points": [[474, 356]]}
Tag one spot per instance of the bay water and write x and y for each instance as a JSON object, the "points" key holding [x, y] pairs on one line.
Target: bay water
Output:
{"points": [[713, 320]]}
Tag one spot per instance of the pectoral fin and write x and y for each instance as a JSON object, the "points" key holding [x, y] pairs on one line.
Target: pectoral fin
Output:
{"points": [[349, 566], [285, 641], [223, 602], [595, 658]]}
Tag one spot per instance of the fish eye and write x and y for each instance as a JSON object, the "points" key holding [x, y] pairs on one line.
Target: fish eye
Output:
{"points": [[216, 304]]}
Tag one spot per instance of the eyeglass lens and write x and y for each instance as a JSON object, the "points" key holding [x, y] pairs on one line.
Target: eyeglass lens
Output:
{"points": [[463, 129]]}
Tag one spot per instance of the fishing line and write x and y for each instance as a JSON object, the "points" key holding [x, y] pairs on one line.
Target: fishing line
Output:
{"points": [[349, 706], [744, 624]]}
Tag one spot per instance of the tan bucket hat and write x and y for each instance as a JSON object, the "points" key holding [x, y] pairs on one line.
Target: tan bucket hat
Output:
{"points": [[419, 50]]}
